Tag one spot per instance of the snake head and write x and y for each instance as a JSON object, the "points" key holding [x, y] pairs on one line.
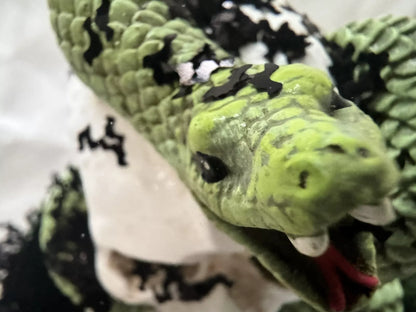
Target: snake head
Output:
{"points": [[319, 158], [292, 168]]}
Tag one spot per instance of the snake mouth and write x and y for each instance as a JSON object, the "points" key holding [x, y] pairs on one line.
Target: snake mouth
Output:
{"points": [[348, 266], [342, 278]]}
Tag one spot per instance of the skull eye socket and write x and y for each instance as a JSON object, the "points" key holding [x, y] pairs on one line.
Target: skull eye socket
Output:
{"points": [[212, 168]]}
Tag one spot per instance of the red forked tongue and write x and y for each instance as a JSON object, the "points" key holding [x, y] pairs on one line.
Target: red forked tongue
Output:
{"points": [[331, 263]]}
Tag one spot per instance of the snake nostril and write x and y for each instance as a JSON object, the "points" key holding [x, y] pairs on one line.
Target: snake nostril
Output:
{"points": [[303, 177], [363, 152], [334, 148]]}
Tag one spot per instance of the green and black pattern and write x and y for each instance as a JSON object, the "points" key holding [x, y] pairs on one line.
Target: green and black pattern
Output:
{"points": [[269, 152]]}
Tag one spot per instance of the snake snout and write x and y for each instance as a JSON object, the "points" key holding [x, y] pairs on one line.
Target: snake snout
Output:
{"points": [[327, 183]]}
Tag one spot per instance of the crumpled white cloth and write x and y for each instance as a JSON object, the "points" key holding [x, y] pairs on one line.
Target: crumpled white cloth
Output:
{"points": [[141, 210], [34, 140]]}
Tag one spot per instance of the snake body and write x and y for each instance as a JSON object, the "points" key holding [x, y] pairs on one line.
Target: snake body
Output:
{"points": [[393, 109], [272, 154]]}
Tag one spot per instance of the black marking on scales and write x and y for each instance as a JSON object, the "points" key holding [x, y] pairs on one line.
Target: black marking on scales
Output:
{"points": [[102, 18], [183, 91], [359, 88], [200, 67], [206, 54], [26, 283], [239, 79], [76, 242], [284, 40], [25, 280], [236, 82], [117, 148], [96, 47], [163, 73], [198, 12], [202, 12], [262, 81], [232, 29]]}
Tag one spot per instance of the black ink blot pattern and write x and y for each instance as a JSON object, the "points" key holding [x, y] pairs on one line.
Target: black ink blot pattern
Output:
{"points": [[174, 275], [84, 137]]}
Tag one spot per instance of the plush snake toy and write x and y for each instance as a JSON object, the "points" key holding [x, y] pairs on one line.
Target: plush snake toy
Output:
{"points": [[321, 191]]}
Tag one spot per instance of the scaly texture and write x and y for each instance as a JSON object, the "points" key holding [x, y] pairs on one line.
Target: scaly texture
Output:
{"points": [[66, 243], [118, 71], [270, 153], [393, 107], [67, 250]]}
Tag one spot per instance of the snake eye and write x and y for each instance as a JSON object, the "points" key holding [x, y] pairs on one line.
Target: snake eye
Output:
{"points": [[212, 168]]}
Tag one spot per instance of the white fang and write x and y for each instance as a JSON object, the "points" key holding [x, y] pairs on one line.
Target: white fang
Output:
{"points": [[312, 246], [377, 215]]}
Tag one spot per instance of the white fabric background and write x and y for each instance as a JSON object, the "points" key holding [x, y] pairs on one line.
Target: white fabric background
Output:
{"points": [[33, 76], [34, 141]]}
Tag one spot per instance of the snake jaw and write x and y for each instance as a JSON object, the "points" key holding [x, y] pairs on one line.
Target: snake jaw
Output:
{"points": [[316, 245], [344, 275], [346, 281]]}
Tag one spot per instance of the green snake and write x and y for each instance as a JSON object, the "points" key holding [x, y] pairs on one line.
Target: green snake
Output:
{"points": [[275, 157]]}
